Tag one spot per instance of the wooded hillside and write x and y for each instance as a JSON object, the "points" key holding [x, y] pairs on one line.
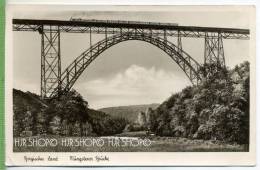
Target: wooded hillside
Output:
{"points": [[217, 109], [69, 115]]}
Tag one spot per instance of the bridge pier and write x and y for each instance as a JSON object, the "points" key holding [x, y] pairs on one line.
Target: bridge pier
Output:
{"points": [[213, 49], [50, 60]]}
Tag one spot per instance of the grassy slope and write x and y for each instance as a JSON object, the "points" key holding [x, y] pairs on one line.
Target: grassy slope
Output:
{"points": [[159, 144]]}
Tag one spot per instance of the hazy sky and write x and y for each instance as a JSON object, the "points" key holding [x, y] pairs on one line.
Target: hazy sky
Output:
{"points": [[131, 72]]}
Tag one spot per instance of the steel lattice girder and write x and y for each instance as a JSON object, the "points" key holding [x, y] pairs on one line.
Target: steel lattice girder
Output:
{"points": [[103, 27], [214, 51], [50, 62], [74, 70]]}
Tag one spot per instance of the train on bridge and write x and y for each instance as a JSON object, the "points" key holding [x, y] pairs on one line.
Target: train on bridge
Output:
{"points": [[124, 22]]}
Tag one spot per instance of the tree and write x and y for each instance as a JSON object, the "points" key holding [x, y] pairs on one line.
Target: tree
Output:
{"points": [[70, 108]]}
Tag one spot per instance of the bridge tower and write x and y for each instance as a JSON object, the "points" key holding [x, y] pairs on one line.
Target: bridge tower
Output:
{"points": [[50, 59], [213, 49]]}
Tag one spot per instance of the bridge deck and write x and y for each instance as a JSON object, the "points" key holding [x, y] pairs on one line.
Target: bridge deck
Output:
{"points": [[114, 26], [141, 25]]}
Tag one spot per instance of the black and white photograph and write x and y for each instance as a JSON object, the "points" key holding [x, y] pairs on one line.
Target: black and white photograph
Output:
{"points": [[128, 79]]}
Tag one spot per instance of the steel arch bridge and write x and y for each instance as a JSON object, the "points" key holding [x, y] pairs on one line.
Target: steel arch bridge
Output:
{"points": [[54, 81]]}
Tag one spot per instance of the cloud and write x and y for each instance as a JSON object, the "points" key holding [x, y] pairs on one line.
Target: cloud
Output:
{"points": [[135, 85]]}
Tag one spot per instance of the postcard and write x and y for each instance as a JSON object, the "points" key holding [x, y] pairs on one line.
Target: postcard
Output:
{"points": [[130, 85]]}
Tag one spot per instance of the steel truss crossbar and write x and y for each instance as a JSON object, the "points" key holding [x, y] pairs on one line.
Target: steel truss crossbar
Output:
{"points": [[75, 69]]}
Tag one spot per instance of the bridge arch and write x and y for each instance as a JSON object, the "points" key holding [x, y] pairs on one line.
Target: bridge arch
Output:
{"points": [[70, 75]]}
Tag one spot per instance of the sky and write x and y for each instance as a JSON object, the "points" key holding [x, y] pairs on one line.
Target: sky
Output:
{"points": [[131, 72]]}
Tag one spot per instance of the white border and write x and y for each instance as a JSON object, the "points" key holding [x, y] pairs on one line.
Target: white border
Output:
{"points": [[136, 2]]}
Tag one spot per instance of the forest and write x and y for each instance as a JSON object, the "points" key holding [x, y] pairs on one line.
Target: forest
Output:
{"points": [[216, 109]]}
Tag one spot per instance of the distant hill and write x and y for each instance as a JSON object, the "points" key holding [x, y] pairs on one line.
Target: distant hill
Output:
{"points": [[128, 112]]}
